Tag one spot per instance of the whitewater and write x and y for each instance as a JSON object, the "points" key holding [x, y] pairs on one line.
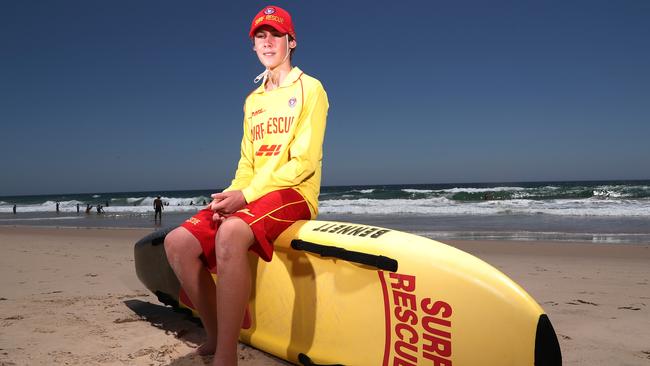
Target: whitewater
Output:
{"points": [[604, 211]]}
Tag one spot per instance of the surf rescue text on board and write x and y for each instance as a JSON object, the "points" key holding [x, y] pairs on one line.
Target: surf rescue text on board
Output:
{"points": [[431, 331]]}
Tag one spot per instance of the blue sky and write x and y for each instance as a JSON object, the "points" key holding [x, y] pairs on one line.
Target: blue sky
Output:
{"points": [[147, 95]]}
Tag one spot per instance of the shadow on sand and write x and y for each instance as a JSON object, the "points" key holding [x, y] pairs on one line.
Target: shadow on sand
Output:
{"points": [[188, 330], [180, 325]]}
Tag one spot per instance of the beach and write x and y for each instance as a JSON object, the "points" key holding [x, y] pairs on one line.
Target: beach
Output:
{"points": [[71, 296]]}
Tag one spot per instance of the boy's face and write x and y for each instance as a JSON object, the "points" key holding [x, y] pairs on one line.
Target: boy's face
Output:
{"points": [[271, 46]]}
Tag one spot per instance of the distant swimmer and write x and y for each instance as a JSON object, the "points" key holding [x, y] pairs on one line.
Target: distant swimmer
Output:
{"points": [[88, 208], [77, 208], [14, 209], [157, 208], [100, 209], [57, 207]]}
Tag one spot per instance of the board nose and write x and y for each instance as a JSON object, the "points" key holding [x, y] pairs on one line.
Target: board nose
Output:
{"points": [[547, 348]]}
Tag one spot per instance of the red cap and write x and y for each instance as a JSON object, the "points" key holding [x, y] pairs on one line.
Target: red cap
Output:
{"points": [[276, 17]]}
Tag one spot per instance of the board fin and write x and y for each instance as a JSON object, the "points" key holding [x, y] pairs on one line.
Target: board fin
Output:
{"points": [[547, 347]]}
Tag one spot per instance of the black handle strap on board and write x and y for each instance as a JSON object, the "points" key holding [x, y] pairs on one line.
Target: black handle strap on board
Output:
{"points": [[377, 261], [306, 361]]}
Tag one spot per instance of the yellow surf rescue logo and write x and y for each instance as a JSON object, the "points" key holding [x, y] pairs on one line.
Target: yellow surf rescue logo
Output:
{"points": [[418, 331], [271, 17]]}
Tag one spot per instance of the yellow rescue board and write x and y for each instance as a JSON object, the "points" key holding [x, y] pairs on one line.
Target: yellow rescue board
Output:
{"points": [[440, 306]]}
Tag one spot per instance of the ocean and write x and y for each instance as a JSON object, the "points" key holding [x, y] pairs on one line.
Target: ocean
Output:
{"points": [[597, 212]]}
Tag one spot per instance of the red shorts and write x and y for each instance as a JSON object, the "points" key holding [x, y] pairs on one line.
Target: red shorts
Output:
{"points": [[268, 217]]}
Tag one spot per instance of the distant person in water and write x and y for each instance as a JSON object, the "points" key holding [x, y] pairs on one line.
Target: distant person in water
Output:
{"points": [[77, 208], [157, 208], [100, 209], [88, 208], [57, 207], [14, 209]]}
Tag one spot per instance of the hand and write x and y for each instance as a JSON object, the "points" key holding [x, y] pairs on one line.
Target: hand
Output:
{"points": [[213, 202], [216, 216], [226, 203]]}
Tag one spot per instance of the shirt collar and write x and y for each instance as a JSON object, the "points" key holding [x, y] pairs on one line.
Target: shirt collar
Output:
{"points": [[291, 78]]}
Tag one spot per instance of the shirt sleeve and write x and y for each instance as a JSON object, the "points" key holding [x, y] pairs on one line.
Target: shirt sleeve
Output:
{"points": [[244, 172], [305, 151]]}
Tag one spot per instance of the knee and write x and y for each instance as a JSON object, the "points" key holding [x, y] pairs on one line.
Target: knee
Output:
{"points": [[177, 245], [233, 239]]}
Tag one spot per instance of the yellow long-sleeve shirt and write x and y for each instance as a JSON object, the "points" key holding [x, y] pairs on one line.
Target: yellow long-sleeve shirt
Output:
{"points": [[282, 146]]}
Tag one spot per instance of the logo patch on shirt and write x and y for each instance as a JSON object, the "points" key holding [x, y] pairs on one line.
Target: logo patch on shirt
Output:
{"points": [[268, 150], [292, 102], [259, 111]]}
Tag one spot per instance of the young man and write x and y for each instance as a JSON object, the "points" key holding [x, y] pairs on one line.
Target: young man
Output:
{"points": [[276, 184]]}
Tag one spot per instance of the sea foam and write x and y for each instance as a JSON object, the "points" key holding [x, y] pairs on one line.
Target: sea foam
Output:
{"points": [[443, 206]]}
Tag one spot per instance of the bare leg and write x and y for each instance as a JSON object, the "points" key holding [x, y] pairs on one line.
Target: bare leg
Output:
{"points": [[183, 252], [233, 286]]}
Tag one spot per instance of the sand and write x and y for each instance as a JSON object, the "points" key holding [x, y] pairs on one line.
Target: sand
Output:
{"points": [[71, 297]]}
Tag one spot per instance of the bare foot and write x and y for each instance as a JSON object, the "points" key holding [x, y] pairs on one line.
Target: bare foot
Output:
{"points": [[206, 349]]}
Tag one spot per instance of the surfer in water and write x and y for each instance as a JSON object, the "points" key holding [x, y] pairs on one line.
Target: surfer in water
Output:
{"points": [[277, 183]]}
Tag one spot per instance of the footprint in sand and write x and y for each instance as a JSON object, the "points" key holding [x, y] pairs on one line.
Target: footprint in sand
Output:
{"points": [[127, 320], [581, 302], [10, 320], [161, 354], [15, 317], [629, 308], [44, 330]]}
